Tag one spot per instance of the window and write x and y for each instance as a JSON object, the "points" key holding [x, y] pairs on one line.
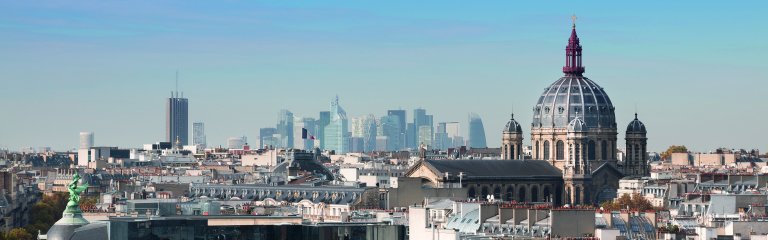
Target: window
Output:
{"points": [[537, 150], [546, 150], [604, 150], [560, 150], [591, 150]]}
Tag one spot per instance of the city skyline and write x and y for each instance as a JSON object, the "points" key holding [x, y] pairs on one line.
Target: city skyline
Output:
{"points": [[485, 64]]}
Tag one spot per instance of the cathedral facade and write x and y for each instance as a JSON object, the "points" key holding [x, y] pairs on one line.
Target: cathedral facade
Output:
{"points": [[574, 129]]}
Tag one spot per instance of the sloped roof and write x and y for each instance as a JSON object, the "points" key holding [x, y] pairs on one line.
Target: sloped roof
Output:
{"points": [[495, 168]]}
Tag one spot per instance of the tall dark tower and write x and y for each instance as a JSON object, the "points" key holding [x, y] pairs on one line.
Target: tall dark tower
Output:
{"points": [[512, 140], [636, 162], [177, 119]]}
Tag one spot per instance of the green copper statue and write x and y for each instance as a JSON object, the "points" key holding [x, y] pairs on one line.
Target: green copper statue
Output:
{"points": [[74, 194]]}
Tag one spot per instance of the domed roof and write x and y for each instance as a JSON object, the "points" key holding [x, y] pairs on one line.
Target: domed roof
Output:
{"points": [[636, 126], [577, 125], [513, 126], [574, 96]]}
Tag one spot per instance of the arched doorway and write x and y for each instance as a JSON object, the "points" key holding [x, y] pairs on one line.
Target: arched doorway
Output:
{"points": [[521, 194]]}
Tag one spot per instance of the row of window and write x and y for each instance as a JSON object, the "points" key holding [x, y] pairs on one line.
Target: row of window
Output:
{"points": [[560, 150]]}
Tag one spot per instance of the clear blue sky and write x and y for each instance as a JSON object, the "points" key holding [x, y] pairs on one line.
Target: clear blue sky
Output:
{"points": [[695, 69]]}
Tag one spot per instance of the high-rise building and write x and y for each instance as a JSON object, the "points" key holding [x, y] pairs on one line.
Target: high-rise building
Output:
{"points": [[425, 136], [236, 142], [198, 134], [337, 131], [387, 126], [419, 119], [365, 128], [177, 119], [453, 131], [267, 137], [401, 127], [84, 152], [300, 126], [410, 136], [322, 122], [86, 140], [476, 132], [442, 141], [285, 128]]}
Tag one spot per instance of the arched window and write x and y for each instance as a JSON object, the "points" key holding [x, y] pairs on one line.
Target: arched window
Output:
{"points": [[471, 192], [547, 197], [577, 156], [546, 150], [637, 153], [521, 194], [484, 193], [591, 150], [510, 193], [534, 194], [497, 193], [560, 150], [604, 150], [577, 195]]}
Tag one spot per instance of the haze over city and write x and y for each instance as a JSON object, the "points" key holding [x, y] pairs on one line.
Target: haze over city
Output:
{"points": [[693, 70]]}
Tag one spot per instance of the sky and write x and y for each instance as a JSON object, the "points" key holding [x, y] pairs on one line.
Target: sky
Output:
{"points": [[695, 71]]}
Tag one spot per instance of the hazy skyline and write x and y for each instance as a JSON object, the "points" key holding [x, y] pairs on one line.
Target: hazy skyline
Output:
{"points": [[694, 69]]}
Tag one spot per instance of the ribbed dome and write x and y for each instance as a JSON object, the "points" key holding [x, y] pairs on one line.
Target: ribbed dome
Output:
{"points": [[513, 126], [636, 126], [572, 96], [577, 125]]}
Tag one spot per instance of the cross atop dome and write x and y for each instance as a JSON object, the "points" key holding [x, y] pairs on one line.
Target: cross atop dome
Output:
{"points": [[573, 20], [573, 53]]}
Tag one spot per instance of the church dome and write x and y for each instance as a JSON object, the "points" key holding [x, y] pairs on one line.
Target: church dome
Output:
{"points": [[636, 126], [513, 126], [572, 96], [577, 125]]}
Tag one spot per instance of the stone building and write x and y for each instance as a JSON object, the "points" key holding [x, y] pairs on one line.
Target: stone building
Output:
{"points": [[521, 181], [574, 129]]}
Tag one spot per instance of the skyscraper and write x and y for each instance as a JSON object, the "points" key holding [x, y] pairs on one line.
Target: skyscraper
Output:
{"points": [[84, 152], [389, 128], [365, 128], [476, 132], [401, 127], [177, 119], [86, 140], [267, 137], [453, 130], [441, 137], [285, 128], [322, 122], [337, 131], [198, 134], [299, 140]]}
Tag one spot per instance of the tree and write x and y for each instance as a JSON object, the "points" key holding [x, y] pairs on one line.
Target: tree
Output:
{"points": [[20, 234], [673, 149], [634, 202]]}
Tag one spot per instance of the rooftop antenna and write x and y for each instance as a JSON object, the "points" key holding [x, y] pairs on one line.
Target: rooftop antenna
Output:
{"points": [[177, 83]]}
